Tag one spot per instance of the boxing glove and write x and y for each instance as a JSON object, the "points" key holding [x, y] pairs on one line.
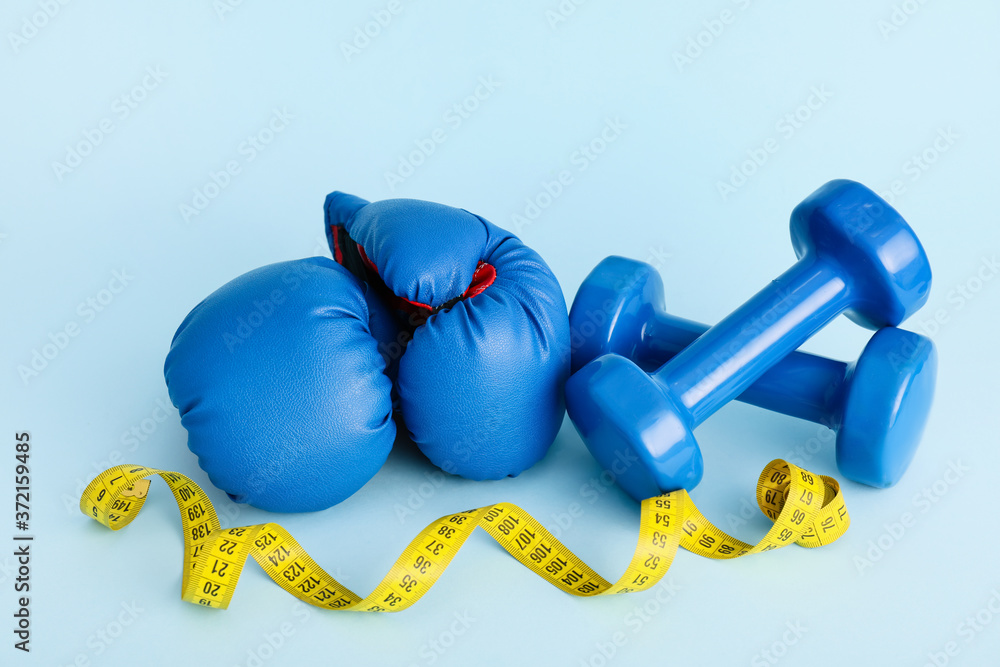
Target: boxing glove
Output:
{"points": [[281, 385], [483, 342]]}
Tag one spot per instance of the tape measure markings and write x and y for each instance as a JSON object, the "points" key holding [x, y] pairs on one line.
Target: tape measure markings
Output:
{"points": [[806, 509]]}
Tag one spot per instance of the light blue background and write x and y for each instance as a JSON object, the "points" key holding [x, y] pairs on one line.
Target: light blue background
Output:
{"points": [[652, 194]]}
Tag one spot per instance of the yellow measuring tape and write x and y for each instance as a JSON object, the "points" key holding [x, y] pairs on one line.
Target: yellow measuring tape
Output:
{"points": [[806, 509]]}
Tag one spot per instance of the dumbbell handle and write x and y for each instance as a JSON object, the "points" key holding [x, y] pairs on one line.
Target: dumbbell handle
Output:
{"points": [[801, 385], [725, 361]]}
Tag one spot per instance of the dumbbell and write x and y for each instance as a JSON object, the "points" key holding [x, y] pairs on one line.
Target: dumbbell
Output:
{"points": [[878, 405], [856, 256]]}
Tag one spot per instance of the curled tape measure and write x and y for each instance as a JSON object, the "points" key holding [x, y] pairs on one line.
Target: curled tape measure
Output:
{"points": [[806, 509]]}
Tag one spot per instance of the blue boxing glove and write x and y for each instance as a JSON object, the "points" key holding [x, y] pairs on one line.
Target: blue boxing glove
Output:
{"points": [[281, 385], [483, 342]]}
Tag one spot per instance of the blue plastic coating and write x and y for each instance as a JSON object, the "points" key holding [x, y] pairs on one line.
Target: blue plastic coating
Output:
{"points": [[856, 256], [619, 309]]}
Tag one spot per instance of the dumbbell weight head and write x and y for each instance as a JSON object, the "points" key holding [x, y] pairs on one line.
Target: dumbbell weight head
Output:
{"points": [[886, 401], [611, 309], [845, 222], [633, 428]]}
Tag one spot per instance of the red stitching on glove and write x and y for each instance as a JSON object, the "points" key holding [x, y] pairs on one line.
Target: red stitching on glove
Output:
{"points": [[338, 256], [482, 277]]}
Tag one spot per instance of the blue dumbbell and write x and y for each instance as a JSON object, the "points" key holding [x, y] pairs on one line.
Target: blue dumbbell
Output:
{"points": [[878, 405], [856, 256]]}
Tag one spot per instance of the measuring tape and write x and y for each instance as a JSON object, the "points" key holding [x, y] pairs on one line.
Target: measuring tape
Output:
{"points": [[807, 509]]}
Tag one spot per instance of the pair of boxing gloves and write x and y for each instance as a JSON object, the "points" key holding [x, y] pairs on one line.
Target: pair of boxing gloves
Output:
{"points": [[292, 379]]}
